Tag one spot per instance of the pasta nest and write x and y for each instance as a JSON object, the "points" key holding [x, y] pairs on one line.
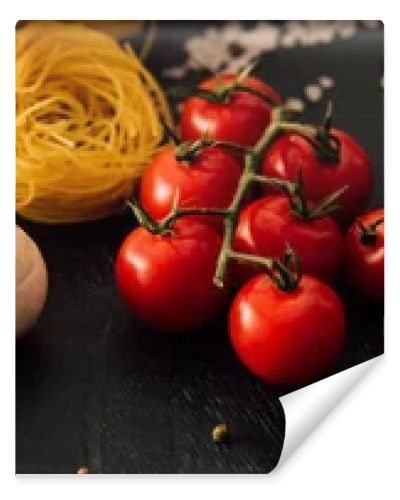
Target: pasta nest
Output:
{"points": [[88, 120]]}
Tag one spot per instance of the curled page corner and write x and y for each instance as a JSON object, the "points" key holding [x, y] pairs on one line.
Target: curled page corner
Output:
{"points": [[306, 408]]}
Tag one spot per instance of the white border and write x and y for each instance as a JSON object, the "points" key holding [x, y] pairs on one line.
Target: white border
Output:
{"points": [[354, 452], [308, 408]]}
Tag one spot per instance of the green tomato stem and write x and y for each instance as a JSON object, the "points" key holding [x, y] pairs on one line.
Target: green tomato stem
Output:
{"points": [[252, 163], [142, 216], [285, 274], [176, 213], [250, 174]]}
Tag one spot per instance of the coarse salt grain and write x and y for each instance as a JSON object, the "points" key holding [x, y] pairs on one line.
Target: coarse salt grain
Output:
{"points": [[295, 104], [313, 92], [326, 82]]}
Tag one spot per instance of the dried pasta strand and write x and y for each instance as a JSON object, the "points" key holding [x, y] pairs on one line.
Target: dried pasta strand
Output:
{"points": [[88, 120]]}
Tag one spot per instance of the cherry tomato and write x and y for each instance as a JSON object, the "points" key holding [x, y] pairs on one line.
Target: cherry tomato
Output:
{"points": [[365, 254], [209, 181], [168, 279], [267, 225], [287, 338], [291, 152], [242, 119]]}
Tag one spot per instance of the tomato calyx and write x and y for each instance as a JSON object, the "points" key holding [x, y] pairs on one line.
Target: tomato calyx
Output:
{"points": [[222, 93], [299, 206], [143, 218], [289, 271], [368, 234], [188, 150], [328, 146], [165, 226], [324, 143]]}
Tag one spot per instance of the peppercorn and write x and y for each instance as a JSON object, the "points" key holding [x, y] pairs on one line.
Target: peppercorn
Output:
{"points": [[82, 470], [221, 434]]}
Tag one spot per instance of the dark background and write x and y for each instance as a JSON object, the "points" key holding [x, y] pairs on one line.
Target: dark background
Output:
{"points": [[95, 388]]}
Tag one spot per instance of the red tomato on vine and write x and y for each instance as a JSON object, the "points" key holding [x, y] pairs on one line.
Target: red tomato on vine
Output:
{"points": [[365, 254], [209, 180], [167, 279], [287, 337], [240, 117], [291, 153], [267, 225]]}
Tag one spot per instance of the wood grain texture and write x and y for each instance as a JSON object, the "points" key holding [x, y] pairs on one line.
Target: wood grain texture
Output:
{"points": [[95, 388]]}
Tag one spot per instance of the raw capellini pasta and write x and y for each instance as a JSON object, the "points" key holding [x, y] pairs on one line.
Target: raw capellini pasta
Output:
{"points": [[88, 120]]}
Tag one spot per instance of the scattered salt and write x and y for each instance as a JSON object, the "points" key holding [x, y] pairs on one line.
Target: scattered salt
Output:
{"points": [[309, 33], [212, 49]]}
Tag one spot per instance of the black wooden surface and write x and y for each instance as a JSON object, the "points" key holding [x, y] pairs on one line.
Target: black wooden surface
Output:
{"points": [[95, 388]]}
